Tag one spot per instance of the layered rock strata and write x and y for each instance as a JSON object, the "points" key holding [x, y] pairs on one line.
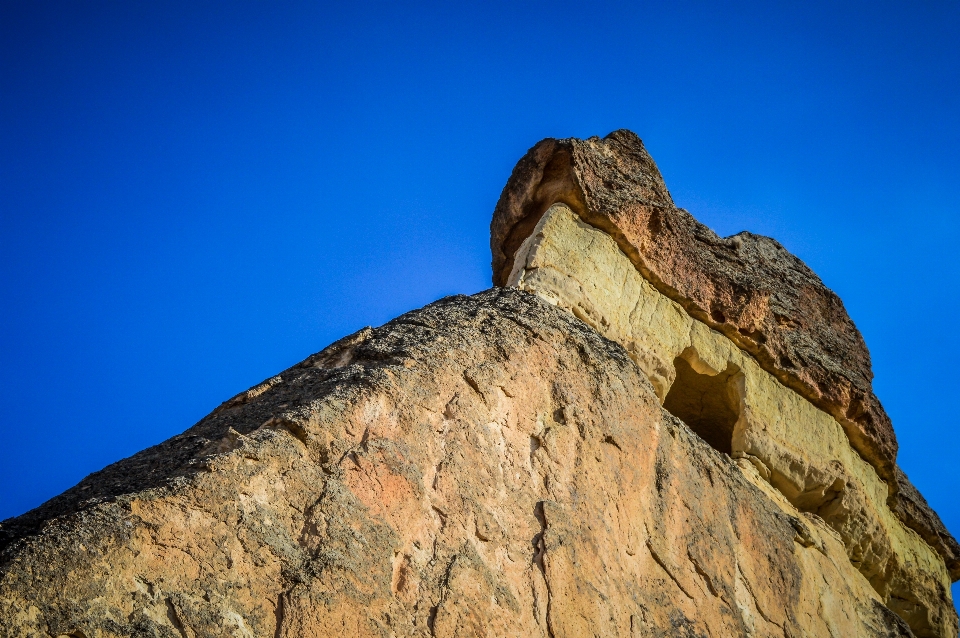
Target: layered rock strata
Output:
{"points": [[747, 287], [636, 438], [486, 466], [739, 408]]}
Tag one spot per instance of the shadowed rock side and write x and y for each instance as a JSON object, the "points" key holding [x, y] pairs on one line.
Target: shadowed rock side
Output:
{"points": [[746, 286], [486, 466]]}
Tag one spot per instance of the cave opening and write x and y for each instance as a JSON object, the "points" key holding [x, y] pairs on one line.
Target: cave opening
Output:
{"points": [[708, 404]]}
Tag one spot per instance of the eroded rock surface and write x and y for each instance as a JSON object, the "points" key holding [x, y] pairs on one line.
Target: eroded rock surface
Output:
{"points": [[747, 287], [910, 506], [742, 410], [487, 465], [652, 432]]}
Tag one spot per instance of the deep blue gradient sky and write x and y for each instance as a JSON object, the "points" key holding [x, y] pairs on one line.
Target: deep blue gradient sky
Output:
{"points": [[194, 197]]}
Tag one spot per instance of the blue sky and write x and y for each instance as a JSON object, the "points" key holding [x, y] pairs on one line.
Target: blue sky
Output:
{"points": [[195, 196]]}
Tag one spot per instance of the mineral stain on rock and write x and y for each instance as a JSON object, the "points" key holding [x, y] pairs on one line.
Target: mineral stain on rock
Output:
{"points": [[644, 430]]}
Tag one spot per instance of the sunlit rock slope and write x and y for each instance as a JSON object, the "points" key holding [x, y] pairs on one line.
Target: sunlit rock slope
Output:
{"points": [[648, 430]]}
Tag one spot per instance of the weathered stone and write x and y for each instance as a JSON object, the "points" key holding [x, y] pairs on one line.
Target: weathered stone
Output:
{"points": [[916, 513], [747, 287], [590, 459], [739, 408], [487, 465]]}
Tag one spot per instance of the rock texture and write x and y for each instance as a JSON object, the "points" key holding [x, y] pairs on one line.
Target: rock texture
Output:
{"points": [[910, 506], [740, 409], [652, 431], [487, 466], [747, 287]]}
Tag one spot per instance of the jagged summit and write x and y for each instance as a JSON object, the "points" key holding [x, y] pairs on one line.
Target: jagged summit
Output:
{"points": [[747, 287], [643, 430]]}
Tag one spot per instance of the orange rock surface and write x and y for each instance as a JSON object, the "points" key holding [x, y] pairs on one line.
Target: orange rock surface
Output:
{"points": [[643, 436]]}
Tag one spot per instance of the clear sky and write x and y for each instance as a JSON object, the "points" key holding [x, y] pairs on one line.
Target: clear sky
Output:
{"points": [[196, 195]]}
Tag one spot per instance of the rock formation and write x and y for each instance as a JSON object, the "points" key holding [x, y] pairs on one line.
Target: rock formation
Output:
{"points": [[646, 430], [747, 287]]}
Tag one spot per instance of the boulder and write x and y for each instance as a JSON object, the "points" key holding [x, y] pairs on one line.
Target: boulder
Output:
{"points": [[644, 430]]}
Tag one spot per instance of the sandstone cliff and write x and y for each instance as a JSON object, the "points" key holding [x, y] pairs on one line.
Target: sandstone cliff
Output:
{"points": [[589, 451]]}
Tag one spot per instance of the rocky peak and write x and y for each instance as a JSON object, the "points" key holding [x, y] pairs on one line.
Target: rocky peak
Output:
{"points": [[747, 286], [633, 434]]}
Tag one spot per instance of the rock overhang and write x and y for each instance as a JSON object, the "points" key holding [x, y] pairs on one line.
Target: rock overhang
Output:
{"points": [[746, 287]]}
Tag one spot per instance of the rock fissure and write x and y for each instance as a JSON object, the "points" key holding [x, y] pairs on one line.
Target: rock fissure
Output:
{"points": [[667, 571], [703, 575], [175, 618], [278, 615], [753, 598]]}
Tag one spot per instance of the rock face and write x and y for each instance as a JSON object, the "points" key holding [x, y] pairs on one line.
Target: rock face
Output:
{"points": [[577, 454], [740, 409], [747, 287], [422, 481]]}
